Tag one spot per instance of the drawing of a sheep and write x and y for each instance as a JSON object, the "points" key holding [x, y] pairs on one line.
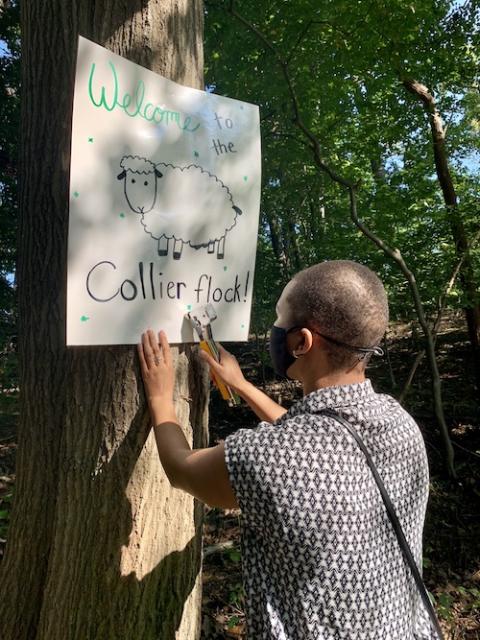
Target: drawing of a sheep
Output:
{"points": [[185, 204]]}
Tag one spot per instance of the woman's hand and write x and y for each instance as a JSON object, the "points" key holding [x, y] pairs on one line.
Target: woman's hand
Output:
{"points": [[157, 367], [228, 369]]}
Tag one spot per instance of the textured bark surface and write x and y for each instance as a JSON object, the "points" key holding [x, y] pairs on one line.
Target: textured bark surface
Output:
{"points": [[99, 546]]}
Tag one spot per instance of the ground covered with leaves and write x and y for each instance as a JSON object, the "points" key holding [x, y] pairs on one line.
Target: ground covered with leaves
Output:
{"points": [[452, 531]]}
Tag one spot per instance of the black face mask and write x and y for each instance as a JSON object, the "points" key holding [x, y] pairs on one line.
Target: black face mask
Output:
{"points": [[281, 358]]}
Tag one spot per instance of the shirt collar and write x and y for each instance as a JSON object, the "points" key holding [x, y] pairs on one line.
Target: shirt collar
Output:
{"points": [[333, 397]]}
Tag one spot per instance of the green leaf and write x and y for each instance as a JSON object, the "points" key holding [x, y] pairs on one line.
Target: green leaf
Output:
{"points": [[234, 620], [234, 555]]}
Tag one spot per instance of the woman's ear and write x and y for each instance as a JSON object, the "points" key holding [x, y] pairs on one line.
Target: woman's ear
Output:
{"points": [[305, 343]]}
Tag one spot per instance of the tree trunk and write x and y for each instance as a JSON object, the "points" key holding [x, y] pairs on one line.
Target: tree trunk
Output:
{"points": [[99, 545], [462, 246], [277, 244], [293, 244]]}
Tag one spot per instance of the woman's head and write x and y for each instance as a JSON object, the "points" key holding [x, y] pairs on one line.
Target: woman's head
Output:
{"points": [[341, 300]]}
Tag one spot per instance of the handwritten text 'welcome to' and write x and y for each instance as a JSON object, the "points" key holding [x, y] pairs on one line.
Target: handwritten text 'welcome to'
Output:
{"points": [[136, 105]]}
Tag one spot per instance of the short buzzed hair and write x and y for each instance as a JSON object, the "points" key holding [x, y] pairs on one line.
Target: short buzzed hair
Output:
{"points": [[345, 301]]}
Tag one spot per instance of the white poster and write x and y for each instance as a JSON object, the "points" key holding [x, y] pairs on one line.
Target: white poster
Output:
{"points": [[164, 205]]}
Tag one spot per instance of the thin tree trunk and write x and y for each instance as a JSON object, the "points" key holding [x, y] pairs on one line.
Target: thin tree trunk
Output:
{"points": [[276, 242], [411, 375], [393, 380], [396, 255], [436, 325], [100, 547], [462, 246], [295, 253]]}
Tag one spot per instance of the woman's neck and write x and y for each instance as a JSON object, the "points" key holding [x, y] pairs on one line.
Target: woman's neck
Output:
{"points": [[333, 379]]}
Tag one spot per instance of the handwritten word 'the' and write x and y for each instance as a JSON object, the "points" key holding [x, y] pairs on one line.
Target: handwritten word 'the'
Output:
{"points": [[217, 145], [134, 104], [103, 285]]}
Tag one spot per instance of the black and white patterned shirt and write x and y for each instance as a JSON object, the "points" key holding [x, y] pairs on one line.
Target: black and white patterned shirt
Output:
{"points": [[320, 559]]}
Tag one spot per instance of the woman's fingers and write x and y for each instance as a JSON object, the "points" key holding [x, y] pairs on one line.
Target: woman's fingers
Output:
{"points": [[147, 354], [154, 349], [152, 341], [167, 354], [141, 355], [147, 350], [208, 358], [224, 354]]}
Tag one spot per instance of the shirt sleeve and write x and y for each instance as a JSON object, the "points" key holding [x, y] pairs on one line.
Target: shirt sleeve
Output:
{"points": [[249, 457]]}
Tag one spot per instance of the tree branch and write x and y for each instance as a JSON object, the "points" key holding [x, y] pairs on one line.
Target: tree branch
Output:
{"points": [[257, 32], [436, 325], [304, 32], [288, 136], [421, 92], [467, 274], [293, 96]]}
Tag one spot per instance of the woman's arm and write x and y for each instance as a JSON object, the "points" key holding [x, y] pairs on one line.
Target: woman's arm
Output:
{"points": [[200, 472]]}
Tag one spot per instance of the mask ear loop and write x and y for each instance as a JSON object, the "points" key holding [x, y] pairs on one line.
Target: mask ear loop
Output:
{"points": [[363, 351], [375, 351]]}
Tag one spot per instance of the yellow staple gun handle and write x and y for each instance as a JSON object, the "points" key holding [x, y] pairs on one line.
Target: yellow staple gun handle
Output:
{"points": [[222, 387]]}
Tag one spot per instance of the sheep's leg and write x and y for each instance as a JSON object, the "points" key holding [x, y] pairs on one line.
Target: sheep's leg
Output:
{"points": [[221, 248], [163, 246], [211, 246], [177, 249]]}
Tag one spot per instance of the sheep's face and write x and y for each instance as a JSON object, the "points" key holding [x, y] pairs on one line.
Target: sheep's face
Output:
{"points": [[140, 190]]}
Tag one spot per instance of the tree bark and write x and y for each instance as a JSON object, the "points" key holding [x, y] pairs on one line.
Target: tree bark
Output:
{"points": [[293, 245], [462, 246], [99, 545], [277, 243]]}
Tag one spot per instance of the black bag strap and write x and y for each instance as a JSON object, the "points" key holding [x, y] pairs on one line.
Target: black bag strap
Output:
{"points": [[393, 519]]}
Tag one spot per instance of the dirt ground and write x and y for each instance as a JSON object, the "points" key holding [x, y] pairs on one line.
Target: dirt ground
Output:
{"points": [[452, 531]]}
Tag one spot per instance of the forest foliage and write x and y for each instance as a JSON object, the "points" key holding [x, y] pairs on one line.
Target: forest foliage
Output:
{"points": [[9, 123], [346, 62]]}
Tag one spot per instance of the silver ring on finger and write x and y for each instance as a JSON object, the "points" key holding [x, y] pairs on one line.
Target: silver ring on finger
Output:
{"points": [[156, 360]]}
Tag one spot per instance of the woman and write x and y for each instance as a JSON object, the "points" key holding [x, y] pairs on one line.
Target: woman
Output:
{"points": [[319, 556]]}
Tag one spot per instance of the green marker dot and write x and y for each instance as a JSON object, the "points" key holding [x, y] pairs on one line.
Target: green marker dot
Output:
{"points": [[225, 268], [84, 319], [90, 139], [243, 326], [122, 215], [196, 154], [245, 178], [75, 194], [189, 307]]}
